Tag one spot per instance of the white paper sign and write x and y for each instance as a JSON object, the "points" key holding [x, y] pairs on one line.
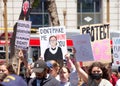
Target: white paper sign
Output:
{"points": [[116, 50], [23, 34], [83, 47], [47, 32]]}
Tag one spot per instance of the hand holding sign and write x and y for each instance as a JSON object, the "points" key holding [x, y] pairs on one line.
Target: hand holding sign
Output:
{"points": [[83, 47], [20, 54]]}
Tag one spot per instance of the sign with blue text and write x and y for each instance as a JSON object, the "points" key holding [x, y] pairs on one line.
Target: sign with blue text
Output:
{"points": [[116, 50]]}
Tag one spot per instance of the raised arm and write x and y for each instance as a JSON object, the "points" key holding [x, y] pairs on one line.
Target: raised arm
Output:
{"points": [[70, 63], [80, 71]]}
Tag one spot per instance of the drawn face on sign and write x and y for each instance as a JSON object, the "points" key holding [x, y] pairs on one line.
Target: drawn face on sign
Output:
{"points": [[53, 41]]}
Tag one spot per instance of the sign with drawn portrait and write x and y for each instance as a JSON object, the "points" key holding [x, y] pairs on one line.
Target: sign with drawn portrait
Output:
{"points": [[83, 47], [53, 42]]}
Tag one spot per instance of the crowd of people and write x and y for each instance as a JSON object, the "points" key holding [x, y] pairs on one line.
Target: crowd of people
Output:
{"points": [[50, 73]]}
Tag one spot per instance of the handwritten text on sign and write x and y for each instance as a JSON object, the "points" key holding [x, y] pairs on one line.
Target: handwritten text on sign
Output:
{"points": [[116, 50], [96, 31], [100, 41], [23, 34], [59, 32]]}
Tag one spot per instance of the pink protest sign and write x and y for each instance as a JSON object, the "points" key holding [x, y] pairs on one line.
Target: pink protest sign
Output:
{"points": [[101, 50]]}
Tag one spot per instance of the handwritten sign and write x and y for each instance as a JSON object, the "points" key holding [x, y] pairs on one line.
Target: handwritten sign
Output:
{"points": [[96, 31], [59, 32], [116, 50], [101, 50], [100, 41], [83, 47], [23, 34]]}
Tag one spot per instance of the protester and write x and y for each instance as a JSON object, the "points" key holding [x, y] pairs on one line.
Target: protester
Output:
{"points": [[7, 68], [73, 73], [42, 77], [112, 75], [118, 81], [54, 52], [30, 69], [3, 71], [97, 74], [64, 76], [11, 79], [26, 65], [54, 68], [118, 72]]}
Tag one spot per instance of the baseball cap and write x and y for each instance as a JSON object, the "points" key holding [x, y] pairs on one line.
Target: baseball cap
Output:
{"points": [[13, 80], [39, 66]]}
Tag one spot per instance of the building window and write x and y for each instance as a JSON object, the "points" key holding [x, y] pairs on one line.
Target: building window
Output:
{"points": [[88, 12], [39, 15]]}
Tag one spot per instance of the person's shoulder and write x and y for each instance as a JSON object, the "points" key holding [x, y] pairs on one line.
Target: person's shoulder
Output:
{"points": [[31, 81], [105, 81], [52, 79], [13, 79], [118, 81]]}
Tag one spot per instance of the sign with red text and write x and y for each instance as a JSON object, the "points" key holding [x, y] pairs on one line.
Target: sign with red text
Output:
{"points": [[47, 41], [23, 34], [83, 47]]}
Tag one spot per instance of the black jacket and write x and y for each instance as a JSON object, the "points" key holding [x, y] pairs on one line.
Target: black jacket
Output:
{"points": [[50, 81]]}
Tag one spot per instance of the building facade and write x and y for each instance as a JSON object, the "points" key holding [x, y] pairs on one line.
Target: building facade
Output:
{"points": [[71, 13]]}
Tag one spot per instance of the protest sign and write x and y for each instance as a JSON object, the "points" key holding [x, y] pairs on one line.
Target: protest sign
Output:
{"points": [[100, 41], [96, 31], [116, 50], [83, 48], [23, 34], [45, 39]]}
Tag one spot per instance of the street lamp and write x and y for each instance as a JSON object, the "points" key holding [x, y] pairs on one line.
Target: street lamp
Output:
{"points": [[5, 30], [65, 13], [108, 10]]}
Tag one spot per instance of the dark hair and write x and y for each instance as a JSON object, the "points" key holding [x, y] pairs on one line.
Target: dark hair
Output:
{"points": [[52, 36], [2, 76], [68, 70], [102, 67], [9, 67], [118, 68]]}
